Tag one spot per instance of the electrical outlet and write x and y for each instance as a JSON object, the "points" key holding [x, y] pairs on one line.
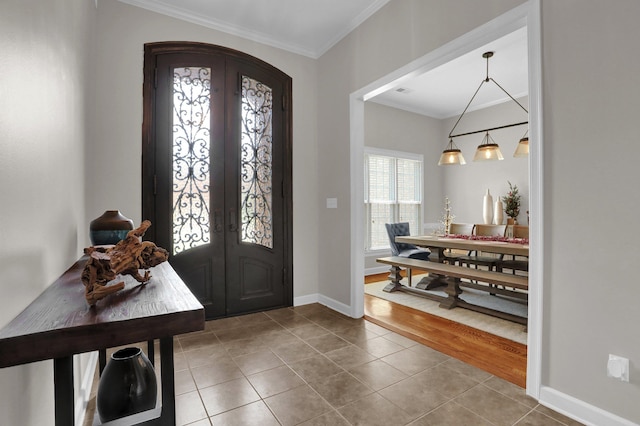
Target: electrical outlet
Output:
{"points": [[618, 368]]}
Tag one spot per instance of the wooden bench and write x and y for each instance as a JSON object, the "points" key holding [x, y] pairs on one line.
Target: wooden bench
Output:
{"points": [[441, 274]]}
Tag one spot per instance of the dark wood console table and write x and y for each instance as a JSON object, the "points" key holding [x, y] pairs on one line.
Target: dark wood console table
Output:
{"points": [[59, 324]]}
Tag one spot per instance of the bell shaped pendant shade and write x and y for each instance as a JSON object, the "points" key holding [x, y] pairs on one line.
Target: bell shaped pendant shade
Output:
{"points": [[488, 150], [523, 148], [451, 156]]}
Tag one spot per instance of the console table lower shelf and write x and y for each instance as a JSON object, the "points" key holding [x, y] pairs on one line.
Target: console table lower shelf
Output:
{"points": [[59, 324]]}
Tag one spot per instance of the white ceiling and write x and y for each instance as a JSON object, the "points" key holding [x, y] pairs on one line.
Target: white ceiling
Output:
{"points": [[306, 27], [446, 90], [311, 27]]}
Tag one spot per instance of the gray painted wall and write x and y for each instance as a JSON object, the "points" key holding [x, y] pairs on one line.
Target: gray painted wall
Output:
{"points": [[394, 129], [45, 114], [586, 103], [590, 192]]}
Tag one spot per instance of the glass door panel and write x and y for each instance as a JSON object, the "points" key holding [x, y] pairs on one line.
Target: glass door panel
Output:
{"points": [[256, 163], [191, 157]]}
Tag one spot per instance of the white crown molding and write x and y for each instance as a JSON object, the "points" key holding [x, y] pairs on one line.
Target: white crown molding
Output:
{"points": [[435, 114], [408, 108], [290, 46], [355, 23], [225, 27]]}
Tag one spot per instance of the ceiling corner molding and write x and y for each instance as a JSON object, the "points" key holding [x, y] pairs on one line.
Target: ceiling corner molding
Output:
{"points": [[355, 23], [184, 15], [408, 108]]}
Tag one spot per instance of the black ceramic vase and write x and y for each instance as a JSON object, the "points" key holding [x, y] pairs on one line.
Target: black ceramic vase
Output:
{"points": [[109, 228], [127, 386]]}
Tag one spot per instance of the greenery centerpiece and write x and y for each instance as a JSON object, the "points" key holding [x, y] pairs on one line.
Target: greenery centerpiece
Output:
{"points": [[512, 202]]}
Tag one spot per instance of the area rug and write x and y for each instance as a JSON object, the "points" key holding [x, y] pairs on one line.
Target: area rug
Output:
{"points": [[500, 327]]}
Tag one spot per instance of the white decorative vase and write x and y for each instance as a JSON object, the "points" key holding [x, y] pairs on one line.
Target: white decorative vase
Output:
{"points": [[487, 208], [497, 213]]}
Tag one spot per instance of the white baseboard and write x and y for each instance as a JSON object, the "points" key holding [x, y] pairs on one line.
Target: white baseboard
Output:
{"points": [[579, 410], [377, 270], [335, 305], [83, 395], [306, 300], [323, 300]]}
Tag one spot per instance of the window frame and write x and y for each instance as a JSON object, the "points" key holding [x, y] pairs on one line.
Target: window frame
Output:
{"points": [[395, 155]]}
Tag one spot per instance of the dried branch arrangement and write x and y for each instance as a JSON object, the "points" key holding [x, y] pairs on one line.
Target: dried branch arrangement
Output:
{"points": [[127, 257]]}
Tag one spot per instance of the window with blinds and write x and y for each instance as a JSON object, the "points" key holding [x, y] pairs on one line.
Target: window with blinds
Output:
{"points": [[393, 193]]}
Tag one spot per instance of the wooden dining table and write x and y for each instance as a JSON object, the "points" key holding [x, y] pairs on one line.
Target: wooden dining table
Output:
{"points": [[447, 278], [442, 243], [516, 247]]}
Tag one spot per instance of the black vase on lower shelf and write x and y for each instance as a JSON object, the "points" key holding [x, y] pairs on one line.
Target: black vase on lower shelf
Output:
{"points": [[127, 385]]}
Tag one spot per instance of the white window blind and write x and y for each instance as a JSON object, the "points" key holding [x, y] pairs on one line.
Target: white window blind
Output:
{"points": [[393, 193]]}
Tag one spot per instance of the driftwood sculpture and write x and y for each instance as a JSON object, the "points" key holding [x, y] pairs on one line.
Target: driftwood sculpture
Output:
{"points": [[127, 257]]}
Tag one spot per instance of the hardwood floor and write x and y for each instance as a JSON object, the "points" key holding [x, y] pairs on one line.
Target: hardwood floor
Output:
{"points": [[496, 355]]}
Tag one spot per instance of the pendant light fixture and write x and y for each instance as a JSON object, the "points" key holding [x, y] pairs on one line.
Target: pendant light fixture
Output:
{"points": [[488, 149], [522, 150], [451, 156]]}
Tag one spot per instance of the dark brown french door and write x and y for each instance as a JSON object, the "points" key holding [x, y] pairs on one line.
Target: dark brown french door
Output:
{"points": [[217, 174]]}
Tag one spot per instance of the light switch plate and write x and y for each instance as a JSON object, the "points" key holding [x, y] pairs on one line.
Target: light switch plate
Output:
{"points": [[332, 203]]}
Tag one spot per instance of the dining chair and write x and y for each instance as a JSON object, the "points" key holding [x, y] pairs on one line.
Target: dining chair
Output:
{"points": [[410, 251], [460, 228], [451, 256], [521, 231], [514, 263], [476, 259], [483, 230]]}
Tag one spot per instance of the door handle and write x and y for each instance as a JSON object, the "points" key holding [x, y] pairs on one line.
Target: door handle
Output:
{"points": [[233, 225], [217, 225]]}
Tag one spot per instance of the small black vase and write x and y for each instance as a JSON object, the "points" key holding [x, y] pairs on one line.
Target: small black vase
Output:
{"points": [[127, 386], [109, 228]]}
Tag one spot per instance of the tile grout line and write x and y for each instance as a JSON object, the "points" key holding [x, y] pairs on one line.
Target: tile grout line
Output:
{"points": [[313, 318]]}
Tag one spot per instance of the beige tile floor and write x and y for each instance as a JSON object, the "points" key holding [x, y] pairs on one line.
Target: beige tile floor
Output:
{"points": [[312, 366]]}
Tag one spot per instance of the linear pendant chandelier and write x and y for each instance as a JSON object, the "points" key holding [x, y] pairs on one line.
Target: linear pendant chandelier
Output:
{"points": [[487, 150]]}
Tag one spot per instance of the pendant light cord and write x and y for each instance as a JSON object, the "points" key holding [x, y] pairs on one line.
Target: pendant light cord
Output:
{"points": [[465, 109], [487, 55]]}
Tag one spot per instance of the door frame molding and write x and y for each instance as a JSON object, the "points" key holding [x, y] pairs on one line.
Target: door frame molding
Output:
{"points": [[529, 15]]}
